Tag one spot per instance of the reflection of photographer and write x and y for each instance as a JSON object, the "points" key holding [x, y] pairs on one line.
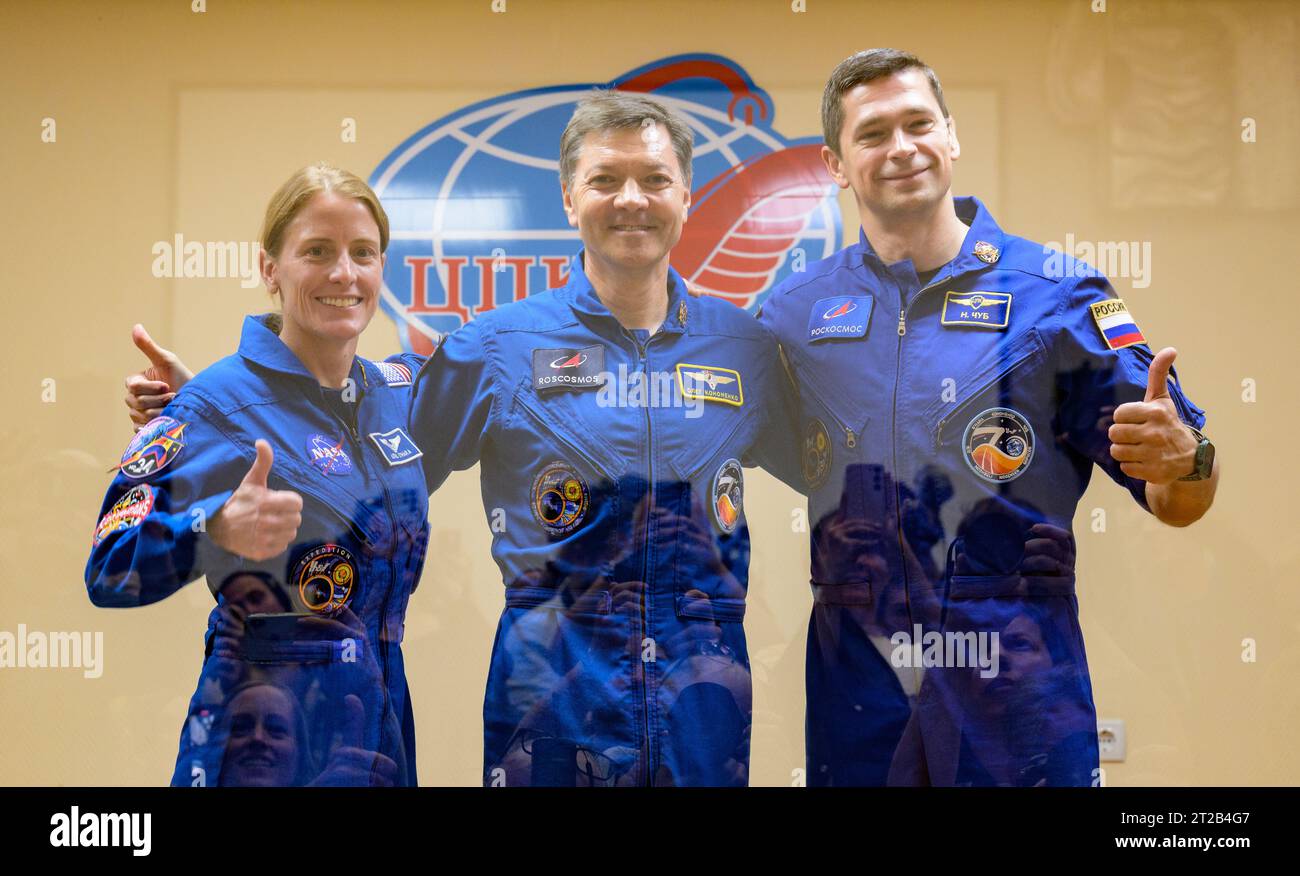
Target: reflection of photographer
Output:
{"points": [[1000, 537], [707, 690], [324, 664], [1028, 723], [266, 739], [268, 745]]}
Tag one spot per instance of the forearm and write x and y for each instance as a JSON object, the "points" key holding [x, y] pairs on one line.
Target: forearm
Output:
{"points": [[1182, 503]]}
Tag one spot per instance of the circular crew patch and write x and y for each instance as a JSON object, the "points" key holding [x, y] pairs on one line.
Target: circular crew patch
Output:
{"points": [[153, 447], [816, 453], [133, 507], [728, 491], [560, 498], [998, 444], [328, 455], [325, 577]]}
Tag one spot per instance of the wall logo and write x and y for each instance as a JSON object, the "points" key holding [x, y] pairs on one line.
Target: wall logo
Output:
{"points": [[477, 219]]}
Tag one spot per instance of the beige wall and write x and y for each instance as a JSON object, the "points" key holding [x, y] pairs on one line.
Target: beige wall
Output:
{"points": [[1123, 125]]}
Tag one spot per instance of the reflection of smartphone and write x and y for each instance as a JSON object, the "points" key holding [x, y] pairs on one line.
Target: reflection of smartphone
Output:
{"points": [[866, 493], [283, 625]]}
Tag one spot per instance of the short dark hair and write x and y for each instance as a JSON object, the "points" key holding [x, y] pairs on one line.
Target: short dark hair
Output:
{"points": [[867, 66], [605, 110]]}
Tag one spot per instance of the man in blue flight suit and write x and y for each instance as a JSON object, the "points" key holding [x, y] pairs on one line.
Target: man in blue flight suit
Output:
{"points": [[612, 418], [956, 390]]}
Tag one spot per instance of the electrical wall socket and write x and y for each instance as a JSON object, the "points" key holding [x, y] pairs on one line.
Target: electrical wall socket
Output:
{"points": [[1112, 740]]}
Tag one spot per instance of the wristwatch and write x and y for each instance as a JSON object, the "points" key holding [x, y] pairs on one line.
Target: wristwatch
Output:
{"points": [[1204, 457]]}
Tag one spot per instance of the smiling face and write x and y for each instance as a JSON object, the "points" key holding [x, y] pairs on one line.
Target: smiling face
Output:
{"points": [[896, 149], [262, 750], [328, 270], [628, 197]]}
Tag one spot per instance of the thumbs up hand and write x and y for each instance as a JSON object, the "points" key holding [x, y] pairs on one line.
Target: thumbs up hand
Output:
{"points": [[149, 391], [256, 522], [1148, 438]]}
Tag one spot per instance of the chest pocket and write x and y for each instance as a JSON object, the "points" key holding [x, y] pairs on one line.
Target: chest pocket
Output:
{"points": [[574, 530], [845, 421], [555, 420], [363, 514], [1019, 356], [709, 541]]}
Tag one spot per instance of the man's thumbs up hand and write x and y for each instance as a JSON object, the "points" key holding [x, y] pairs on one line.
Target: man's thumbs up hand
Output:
{"points": [[1158, 374], [149, 391], [1148, 438]]}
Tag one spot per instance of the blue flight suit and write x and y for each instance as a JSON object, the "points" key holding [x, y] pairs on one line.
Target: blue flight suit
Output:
{"points": [[612, 482], [948, 434], [319, 664]]}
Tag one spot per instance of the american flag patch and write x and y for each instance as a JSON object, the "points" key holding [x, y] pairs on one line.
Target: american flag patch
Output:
{"points": [[395, 373], [1117, 327]]}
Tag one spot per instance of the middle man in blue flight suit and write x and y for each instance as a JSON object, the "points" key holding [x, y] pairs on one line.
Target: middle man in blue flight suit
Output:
{"points": [[612, 418]]}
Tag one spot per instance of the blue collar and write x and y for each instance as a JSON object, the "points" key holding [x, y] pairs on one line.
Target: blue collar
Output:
{"points": [[981, 248], [584, 299], [263, 347]]}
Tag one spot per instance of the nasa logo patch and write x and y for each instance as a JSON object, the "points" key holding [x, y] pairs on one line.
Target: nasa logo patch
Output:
{"points": [[153, 448], [728, 491], [325, 577], [816, 454], [998, 445], [328, 455], [133, 507], [560, 498]]}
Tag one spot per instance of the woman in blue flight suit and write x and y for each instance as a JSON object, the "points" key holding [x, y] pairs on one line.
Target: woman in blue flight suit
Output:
{"points": [[281, 474]]}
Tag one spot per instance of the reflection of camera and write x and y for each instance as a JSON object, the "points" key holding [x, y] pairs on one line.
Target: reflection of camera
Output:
{"points": [[282, 626], [991, 538]]}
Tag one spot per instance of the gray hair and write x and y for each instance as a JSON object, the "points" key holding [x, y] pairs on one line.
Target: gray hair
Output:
{"points": [[610, 110]]}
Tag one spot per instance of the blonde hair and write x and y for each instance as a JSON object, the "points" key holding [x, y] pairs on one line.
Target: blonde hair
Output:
{"points": [[294, 193], [297, 190]]}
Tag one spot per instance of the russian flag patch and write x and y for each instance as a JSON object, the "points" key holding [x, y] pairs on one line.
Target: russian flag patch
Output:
{"points": [[1117, 327]]}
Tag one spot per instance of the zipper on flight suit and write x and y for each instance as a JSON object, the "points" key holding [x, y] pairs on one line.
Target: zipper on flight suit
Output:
{"points": [[644, 362], [395, 539], [893, 436]]}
